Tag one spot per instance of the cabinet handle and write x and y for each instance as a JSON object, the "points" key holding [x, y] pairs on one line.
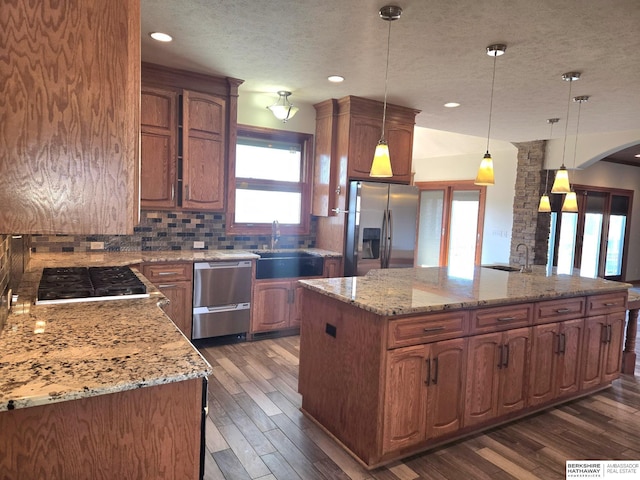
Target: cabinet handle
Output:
{"points": [[186, 192], [435, 375], [167, 285], [609, 304], [506, 360], [433, 329], [167, 273], [501, 348], [173, 192], [505, 319], [608, 333], [563, 339], [604, 333], [563, 310], [338, 210], [556, 350], [428, 380]]}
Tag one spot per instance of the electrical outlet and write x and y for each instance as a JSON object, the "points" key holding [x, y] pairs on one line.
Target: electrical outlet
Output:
{"points": [[96, 246], [198, 244]]}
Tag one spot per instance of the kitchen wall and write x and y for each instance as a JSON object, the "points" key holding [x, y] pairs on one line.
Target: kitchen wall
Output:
{"points": [[171, 231]]}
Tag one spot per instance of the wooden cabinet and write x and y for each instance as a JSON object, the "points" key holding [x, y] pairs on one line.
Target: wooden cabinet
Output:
{"points": [[555, 360], [496, 375], [332, 267], [174, 280], [423, 393], [603, 335], [347, 132], [189, 124], [70, 117]]}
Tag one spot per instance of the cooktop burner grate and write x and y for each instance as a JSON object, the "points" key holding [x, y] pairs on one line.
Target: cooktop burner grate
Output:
{"points": [[67, 284]]}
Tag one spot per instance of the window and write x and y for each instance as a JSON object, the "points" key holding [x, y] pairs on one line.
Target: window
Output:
{"points": [[270, 180]]}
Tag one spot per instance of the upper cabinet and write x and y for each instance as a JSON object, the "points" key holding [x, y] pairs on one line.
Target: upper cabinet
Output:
{"points": [[189, 125], [69, 117], [347, 132]]}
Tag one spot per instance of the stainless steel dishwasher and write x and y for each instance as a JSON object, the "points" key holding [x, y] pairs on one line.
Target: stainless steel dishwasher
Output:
{"points": [[221, 298]]}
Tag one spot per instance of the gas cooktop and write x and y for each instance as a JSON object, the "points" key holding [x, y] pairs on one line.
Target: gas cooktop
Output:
{"points": [[82, 284]]}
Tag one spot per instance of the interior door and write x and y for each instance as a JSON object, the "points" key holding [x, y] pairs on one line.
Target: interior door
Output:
{"points": [[403, 218]]}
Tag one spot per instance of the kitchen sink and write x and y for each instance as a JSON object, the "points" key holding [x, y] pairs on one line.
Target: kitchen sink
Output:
{"points": [[288, 264], [504, 268]]}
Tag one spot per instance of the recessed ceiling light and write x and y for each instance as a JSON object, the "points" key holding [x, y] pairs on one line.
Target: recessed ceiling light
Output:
{"points": [[161, 37], [637, 156], [335, 78], [452, 104]]}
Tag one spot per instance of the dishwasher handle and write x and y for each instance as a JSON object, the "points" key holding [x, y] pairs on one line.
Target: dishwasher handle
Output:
{"points": [[223, 308], [219, 265]]}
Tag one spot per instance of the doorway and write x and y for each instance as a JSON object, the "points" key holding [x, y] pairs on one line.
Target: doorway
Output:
{"points": [[595, 239]]}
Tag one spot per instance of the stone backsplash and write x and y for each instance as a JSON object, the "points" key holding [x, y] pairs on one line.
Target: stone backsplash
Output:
{"points": [[160, 230]]}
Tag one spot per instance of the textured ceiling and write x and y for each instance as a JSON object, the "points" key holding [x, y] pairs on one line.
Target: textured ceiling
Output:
{"points": [[437, 55]]}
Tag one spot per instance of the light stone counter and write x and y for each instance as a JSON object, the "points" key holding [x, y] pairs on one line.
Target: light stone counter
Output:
{"points": [[394, 292]]}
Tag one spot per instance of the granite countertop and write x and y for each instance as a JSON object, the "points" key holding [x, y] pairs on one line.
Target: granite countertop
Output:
{"points": [[53, 353], [405, 291]]}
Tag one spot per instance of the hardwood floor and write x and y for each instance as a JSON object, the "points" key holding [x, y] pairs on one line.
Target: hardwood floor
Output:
{"points": [[255, 429]]}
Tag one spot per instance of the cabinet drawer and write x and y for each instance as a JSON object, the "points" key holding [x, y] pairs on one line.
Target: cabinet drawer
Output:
{"points": [[428, 328], [557, 310], [501, 318], [167, 272], [607, 303]]}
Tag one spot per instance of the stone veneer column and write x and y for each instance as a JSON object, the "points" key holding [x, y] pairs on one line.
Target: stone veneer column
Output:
{"points": [[529, 226]]}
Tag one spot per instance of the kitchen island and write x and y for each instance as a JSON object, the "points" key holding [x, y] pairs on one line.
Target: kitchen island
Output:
{"points": [[402, 360], [104, 389]]}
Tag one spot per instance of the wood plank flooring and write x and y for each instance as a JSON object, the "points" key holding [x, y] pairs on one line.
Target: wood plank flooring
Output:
{"points": [[255, 429]]}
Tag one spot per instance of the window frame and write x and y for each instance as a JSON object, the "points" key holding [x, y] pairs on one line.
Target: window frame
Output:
{"points": [[306, 169]]}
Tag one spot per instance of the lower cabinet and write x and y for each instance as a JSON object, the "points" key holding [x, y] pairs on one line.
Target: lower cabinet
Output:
{"points": [[424, 393], [174, 280], [498, 364], [603, 335]]}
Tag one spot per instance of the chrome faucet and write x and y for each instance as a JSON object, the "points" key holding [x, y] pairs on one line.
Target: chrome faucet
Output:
{"points": [[526, 268], [275, 234]]}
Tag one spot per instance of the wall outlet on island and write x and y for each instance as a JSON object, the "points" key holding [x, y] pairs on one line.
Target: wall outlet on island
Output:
{"points": [[96, 246], [198, 244]]}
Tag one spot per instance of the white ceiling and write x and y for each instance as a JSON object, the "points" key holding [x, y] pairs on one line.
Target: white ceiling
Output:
{"points": [[437, 55]]}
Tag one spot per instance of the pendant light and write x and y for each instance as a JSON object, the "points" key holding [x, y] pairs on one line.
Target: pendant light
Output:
{"points": [[283, 109], [545, 204], [485, 171], [561, 182], [570, 203], [381, 165]]}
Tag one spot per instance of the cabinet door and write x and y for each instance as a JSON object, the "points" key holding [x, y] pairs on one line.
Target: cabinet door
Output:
{"points": [[544, 351], [445, 394], [400, 139], [405, 400], [570, 357], [295, 309], [515, 369], [179, 309], [203, 169], [363, 137], [615, 337], [332, 267], [593, 350], [481, 394], [158, 148], [270, 309]]}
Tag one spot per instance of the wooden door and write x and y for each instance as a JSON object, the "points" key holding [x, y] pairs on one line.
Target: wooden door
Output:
{"points": [[203, 151], [270, 309], [445, 394], [481, 393], [593, 350], [158, 148], [544, 354], [570, 356], [295, 308], [515, 370], [405, 400], [364, 134], [613, 354], [179, 309], [400, 139]]}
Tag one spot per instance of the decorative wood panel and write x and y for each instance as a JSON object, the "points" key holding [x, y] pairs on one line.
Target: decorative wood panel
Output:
{"points": [[70, 117]]}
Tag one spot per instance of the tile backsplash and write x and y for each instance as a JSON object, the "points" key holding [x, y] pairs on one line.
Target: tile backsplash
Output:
{"points": [[160, 230]]}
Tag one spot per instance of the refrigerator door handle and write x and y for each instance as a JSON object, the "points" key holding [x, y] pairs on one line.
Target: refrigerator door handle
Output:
{"points": [[383, 240], [390, 238]]}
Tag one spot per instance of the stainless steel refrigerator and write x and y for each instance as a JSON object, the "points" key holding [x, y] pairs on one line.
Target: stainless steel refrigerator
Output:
{"points": [[381, 226]]}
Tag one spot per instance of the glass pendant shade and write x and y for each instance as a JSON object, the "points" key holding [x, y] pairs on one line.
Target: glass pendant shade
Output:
{"points": [[381, 165], [570, 203], [545, 204], [283, 109], [485, 171], [561, 182]]}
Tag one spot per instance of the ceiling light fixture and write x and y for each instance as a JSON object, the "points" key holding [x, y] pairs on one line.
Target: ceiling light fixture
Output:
{"points": [[381, 165], [545, 203], [161, 37], [485, 171], [335, 78], [283, 109], [561, 182], [452, 104], [570, 203]]}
